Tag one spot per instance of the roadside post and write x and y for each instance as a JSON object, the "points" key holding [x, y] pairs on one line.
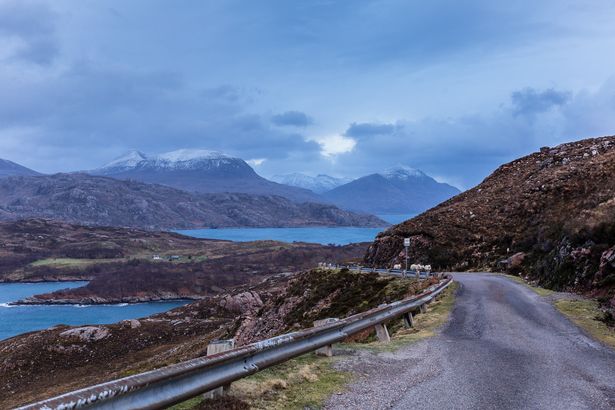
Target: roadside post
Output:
{"points": [[406, 246]]}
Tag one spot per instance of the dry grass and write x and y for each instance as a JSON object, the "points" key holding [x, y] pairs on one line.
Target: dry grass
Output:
{"points": [[540, 291], [71, 262], [425, 325], [584, 314], [307, 381]]}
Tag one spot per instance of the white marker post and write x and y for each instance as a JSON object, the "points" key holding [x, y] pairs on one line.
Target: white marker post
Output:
{"points": [[406, 246]]}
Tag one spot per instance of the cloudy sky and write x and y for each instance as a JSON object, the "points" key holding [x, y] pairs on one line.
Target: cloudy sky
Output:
{"points": [[340, 87]]}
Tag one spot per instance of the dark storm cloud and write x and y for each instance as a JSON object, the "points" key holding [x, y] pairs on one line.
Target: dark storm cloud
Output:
{"points": [[30, 27], [88, 107], [465, 149], [366, 129], [83, 81], [292, 118], [530, 101]]}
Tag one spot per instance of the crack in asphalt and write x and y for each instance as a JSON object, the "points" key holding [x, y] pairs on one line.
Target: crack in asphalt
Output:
{"points": [[505, 347]]}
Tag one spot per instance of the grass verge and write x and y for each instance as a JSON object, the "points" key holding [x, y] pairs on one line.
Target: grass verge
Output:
{"points": [[307, 381], [425, 325], [302, 383], [584, 313], [540, 291], [71, 262]]}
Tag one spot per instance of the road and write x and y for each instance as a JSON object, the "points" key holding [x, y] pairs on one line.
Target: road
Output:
{"points": [[504, 348]]}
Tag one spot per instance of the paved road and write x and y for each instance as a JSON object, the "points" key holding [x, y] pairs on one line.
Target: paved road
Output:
{"points": [[504, 348]]}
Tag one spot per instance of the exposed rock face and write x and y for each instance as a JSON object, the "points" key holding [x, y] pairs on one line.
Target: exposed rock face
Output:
{"points": [[86, 333], [90, 200], [242, 303], [556, 206], [75, 359]]}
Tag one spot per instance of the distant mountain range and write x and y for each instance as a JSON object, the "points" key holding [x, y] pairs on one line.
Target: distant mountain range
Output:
{"points": [[200, 171], [318, 184], [95, 200], [398, 190], [9, 168]]}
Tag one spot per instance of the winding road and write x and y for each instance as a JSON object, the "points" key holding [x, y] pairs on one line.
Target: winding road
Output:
{"points": [[505, 347]]}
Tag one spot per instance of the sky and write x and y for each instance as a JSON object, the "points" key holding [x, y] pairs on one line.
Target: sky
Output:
{"points": [[345, 88]]}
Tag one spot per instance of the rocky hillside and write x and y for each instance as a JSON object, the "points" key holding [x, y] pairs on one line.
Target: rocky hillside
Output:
{"points": [[86, 355], [91, 200], [549, 215]]}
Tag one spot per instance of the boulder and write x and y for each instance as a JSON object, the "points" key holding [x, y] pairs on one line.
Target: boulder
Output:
{"points": [[87, 333], [246, 302]]}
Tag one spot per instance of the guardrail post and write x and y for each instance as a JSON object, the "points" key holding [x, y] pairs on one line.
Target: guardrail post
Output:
{"points": [[423, 308], [214, 347], [408, 320], [326, 350], [382, 333]]}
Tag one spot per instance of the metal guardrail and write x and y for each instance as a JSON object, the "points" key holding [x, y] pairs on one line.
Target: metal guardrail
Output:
{"points": [[158, 389], [394, 272]]}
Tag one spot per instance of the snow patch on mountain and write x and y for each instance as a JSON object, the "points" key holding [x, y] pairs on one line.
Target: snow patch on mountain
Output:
{"points": [[319, 184], [182, 155], [128, 160], [179, 159], [403, 172]]}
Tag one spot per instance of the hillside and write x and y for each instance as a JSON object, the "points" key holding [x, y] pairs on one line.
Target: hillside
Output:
{"points": [[91, 200], [9, 168], [272, 307], [400, 190], [200, 171], [549, 215], [131, 265]]}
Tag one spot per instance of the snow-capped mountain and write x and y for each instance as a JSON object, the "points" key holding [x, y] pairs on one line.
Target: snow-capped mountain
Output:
{"points": [[198, 170], [319, 184], [9, 168], [402, 173], [398, 190]]}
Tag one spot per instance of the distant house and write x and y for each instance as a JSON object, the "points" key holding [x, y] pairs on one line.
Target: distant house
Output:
{"points": [[156, 257]]}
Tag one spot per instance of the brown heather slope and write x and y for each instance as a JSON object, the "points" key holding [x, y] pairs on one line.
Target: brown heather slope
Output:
{"points": [[119, 263], [554, 210], [53, 361]]}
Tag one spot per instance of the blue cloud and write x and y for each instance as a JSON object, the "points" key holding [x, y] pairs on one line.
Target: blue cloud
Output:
{"points": [[293, 118], [367, 129], [33, 26], [530, 101]]}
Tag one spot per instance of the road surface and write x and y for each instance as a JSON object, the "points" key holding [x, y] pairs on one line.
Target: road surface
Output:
{"points": [[504, 348]]}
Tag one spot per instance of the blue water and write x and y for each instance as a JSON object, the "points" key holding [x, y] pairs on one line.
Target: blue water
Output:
{"points": [[20, 319], [322, 235]]}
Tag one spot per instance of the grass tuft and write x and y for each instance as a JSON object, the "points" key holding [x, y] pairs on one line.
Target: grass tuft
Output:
{"points": [[586, 314]]}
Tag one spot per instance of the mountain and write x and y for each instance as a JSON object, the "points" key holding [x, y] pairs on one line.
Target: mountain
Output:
{"points": [[398, 190], [549, 215], [9, 168], [94, 200], [199, 171], [319, 184]]}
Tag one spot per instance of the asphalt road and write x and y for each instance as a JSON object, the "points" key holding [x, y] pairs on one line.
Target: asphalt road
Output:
{"points": [[504, 348]]}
